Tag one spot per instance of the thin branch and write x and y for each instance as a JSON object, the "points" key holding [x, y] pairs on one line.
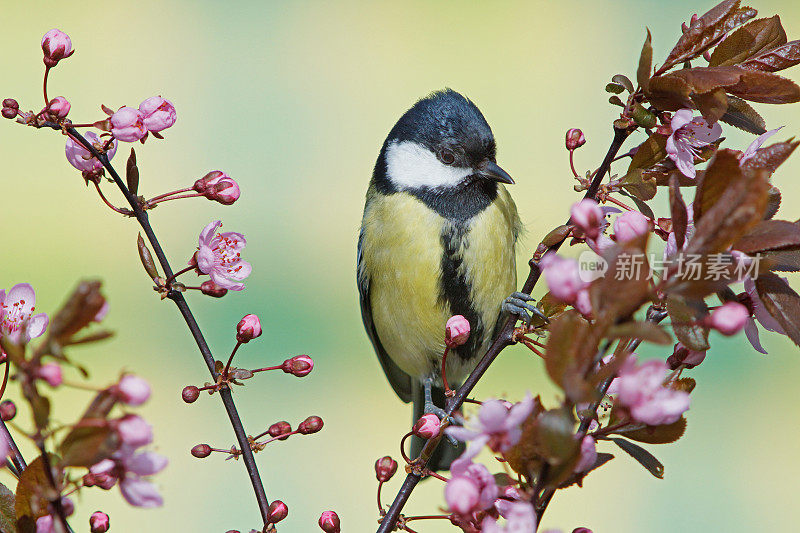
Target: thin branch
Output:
{"points": [[503, 339]]}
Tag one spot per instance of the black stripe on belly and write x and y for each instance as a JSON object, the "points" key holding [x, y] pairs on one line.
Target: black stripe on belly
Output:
{"points": [[454, 288]]}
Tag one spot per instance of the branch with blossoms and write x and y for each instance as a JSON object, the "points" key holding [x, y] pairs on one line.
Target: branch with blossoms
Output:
{"points": [[601, 307], [106, 447]]}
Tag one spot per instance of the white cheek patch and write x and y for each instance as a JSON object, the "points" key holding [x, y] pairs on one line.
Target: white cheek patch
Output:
{"points": [[410, 165]]}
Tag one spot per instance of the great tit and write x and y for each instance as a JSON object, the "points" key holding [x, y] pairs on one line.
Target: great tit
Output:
{"points": [[437, 239]]}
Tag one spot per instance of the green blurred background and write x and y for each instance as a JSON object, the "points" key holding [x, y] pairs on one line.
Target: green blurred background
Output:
{"points": [[294, 101]]}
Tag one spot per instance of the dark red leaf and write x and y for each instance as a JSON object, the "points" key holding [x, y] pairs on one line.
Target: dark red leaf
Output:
{"points": [[749, 40], [769, 235], [777, 59], [782, 302]]}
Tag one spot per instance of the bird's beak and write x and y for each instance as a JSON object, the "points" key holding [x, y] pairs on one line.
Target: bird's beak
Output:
{"points": [[494, 172]]}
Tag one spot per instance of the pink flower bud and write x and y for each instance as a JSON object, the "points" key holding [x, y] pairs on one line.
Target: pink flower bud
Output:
{"points": [[203, 184], [51, 373], [728, 319], [248, 328], [299, 365], [310, 425], [133, 390], [574, 139], [581, 530], [80, 158], [329, 522], [190, 394], [134, 431], [159, 113], [588, 216], [127, 124], [461, 494], [684, 356], [427, 427], [201, 451], [456, 331], [99, 522], [630, 225], [225, 191], [280, 429], [56, 46], [385, 468], [103, 480], [9, 112], [59, 107], [10, 103], [277, 511], [209, 288], [563, 277], [8, 410], [588, 455]]}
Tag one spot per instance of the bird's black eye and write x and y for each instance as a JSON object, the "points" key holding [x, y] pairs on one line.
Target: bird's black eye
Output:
{"points": [[446, 156]]}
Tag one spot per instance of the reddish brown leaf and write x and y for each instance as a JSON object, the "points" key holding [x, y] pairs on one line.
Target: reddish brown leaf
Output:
{"points": [[749, 40], [678, 212], [744, 117], [773, 202], [769, 235], [32, 490], [722, 170], [781, 302], [713, 105], [657, 434], [705, 79], [668, 93], [765, 87], [707, 30], [645, 331], [642, 456], [783, 260], [650, 152], [638, 185], [770, 157], [777, 59], [645, 62], [683, 313]]}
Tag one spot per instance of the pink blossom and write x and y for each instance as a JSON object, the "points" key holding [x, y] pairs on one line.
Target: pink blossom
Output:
{"points": [[630, 225], [600, 244], [588, 455], [563, 277], [56, 46], [689, 135], [50, 373], [140, 493], [754, 146], [671, 248], [130, 468], [219, 256], [248, 328], [588, 216], [729, 318], [461, 495], [583, 302], [127, 124], [59, 107], [520, 518], [427, 427], [133, 390], [99, 522], [456, 331], [496, 426], [159, 113], [45, 524], [134, 431], [761, 315], [641, 389], [80, 158], [472, 487], [17, 321]]}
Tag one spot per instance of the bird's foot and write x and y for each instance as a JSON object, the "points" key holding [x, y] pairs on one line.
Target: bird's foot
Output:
{"points": [[430, 408], [518, 305]]}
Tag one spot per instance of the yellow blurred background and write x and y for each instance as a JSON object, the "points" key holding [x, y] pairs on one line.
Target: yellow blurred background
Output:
{"points": [[294, 101]]}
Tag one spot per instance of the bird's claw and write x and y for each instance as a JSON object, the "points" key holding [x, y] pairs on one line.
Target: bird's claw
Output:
{"points": [[517, 305]]}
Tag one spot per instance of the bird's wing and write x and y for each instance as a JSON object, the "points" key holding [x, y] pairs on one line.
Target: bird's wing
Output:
{"points": [[399, 380]]}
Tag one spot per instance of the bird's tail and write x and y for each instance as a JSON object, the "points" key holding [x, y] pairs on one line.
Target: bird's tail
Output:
{"points": [[445, 453]]}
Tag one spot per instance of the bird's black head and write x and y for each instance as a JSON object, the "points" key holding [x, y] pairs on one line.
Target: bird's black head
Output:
{"points": [[443, 141]]}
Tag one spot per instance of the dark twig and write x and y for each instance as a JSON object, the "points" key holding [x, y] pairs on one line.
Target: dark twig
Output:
{"points": [[503, 339], [183, 307]]}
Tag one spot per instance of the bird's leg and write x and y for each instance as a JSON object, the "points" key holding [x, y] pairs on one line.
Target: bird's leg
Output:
{"points": [[517, 305], [430, 407]]}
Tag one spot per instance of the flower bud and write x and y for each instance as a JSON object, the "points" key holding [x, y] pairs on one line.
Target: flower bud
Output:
{"points": [[51, 373], [728, 319], [159, 113], [59, 107], [310, 425], [329, 522], [103, 480], [209, 288], [299, 365], [133, 430], [248, 328], [99, 522], [80, 158], [280, 429], [225, 191], [630, 225], [588, 216], [190, 393], [385, 467], [456, 331], [427, 427], [8, 410], [127, 124], [133, 390], [461, 494], [581, 530], [277, 511], [56, 46], [684, 356], [574, 139], [210, 179], [10, 103], [201, 451], [9, 113]]}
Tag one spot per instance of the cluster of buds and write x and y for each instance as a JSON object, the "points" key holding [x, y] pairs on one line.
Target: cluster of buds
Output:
{"points": [[218, 186], [129, 124], [10, 108], [278, 431]]}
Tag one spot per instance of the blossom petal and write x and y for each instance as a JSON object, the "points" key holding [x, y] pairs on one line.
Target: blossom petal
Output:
{"points": [[19, 293], [681, 118], [751, 331], [224, 282], [756, 144], [36, 326], [461, 433], [520, 411], [684, 160], [146, 463], [208, 232], [704, 133], [238, 271], [140, 493]]}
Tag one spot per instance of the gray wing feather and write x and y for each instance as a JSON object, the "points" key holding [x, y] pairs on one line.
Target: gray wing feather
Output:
{"points": [[399, 380]]}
